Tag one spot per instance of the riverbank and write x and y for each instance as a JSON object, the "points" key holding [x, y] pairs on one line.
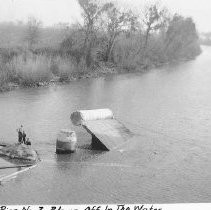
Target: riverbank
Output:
{"points": [[63, 79], [100, 71]]}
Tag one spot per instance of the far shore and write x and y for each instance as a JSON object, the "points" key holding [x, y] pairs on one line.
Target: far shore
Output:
{"points": [[97, 73]]}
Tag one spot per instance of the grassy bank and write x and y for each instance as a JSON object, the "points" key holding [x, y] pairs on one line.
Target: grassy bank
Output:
{"points": [[29, 70], [40, 70]]}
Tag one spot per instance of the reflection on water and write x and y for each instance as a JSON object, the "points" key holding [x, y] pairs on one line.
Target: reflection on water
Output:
{"points": [[169, 107]]}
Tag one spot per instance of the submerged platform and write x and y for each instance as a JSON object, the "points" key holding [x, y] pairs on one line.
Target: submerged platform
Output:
{"points": [[107, 132]]}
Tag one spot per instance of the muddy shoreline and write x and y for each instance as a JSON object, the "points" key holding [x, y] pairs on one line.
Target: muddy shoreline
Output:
{"points": [[76, 76], [101, 71]]}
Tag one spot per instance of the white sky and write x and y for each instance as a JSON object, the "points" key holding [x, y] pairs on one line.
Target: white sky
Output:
{"points": [[53, 11]]}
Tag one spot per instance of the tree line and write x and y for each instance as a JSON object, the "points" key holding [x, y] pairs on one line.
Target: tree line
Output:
{"points": [[112, 34], [108, 37]]}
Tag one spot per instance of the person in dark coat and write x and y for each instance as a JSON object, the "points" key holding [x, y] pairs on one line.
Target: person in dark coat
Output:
{"points": [[20, 134], [24, 137]]}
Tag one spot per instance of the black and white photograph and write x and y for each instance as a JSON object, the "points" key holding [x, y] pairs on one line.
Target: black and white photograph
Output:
{"points": [[105, 102]]}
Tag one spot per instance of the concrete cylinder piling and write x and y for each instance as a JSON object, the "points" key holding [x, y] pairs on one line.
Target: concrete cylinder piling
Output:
{"points": [[66, 142], [82, 116]]}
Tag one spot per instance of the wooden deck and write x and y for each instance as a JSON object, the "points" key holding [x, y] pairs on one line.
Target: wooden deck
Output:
{"points": [[110, 132]]}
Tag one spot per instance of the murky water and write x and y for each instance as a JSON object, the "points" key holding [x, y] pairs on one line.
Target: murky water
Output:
{"points": [[170, 160]]}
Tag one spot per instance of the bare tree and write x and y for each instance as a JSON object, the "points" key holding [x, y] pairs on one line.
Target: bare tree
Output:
{"points": [[154, 18], [92, 10], [32, 32], [118, 22]]}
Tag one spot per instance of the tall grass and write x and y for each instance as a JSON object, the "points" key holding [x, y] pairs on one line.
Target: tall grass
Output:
{"points": [[31, 69], [6, 76], [3, 78]]}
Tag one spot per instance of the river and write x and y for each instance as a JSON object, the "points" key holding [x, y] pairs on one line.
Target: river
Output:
{"points": [[170, 161]]}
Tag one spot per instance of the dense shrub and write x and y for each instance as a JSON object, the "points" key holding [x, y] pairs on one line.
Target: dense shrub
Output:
{"points": [[181, 38]]}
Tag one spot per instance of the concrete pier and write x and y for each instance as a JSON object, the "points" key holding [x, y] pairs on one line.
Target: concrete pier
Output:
{"points": [[66, 142]]}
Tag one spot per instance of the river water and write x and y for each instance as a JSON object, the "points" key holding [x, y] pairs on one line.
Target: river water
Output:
{"points": [[169, 161]]}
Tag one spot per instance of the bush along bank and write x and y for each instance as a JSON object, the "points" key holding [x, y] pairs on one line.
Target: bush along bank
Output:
{"points": [[40, 70]]}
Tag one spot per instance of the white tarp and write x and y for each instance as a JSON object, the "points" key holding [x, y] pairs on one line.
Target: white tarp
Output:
{"points": [[81, 116]]}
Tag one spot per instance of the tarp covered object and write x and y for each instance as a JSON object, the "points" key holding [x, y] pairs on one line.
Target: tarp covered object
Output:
{"points": [[79, 117]]}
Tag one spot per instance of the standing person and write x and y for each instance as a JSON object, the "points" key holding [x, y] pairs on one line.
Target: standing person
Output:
{"points": [[24, 137], [20, 134]]}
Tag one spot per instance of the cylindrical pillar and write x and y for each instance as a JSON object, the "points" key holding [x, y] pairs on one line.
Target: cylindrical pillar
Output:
{"points": [[66, 142]]}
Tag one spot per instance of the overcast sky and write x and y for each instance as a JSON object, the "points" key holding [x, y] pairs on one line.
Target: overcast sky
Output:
{"points": [[53, 11]]}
